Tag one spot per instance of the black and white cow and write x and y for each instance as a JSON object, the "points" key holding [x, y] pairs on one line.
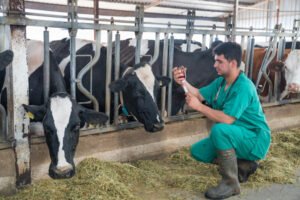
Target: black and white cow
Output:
{"points": [[144, 89], [199, 64], [61, 116], [140, 89]]}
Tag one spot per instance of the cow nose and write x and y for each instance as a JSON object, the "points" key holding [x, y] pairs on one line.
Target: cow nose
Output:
{"points": [[60, 172], [158, 127]]}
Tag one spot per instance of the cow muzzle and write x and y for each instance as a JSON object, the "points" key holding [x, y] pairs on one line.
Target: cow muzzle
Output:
{"points": [[157, 127], [61, 172]]}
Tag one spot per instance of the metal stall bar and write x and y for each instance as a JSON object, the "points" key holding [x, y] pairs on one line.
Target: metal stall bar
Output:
{"points": [[156, 49], [249, 56], [296, 30], [139, 20], [4, 45], [170, 75], [211, 36], [117, 75], [88, 67], [3, 135], [243, 42], [270, 54], [277, 78], [190, 23], [72, 17], [203, 48], [108, 75], [235, 19], [46, 69], [164, 73]]}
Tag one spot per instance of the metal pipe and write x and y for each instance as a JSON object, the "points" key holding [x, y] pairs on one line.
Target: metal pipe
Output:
{"points": [[84, 70], [211, 39], [3, 123], [156, 49], [139, 18], [72, 13], [170, 75], [73, 66], [164, 73], [243, 42], [251, 57], [96, 14], [46, 69], [235, 17], [203, 48], [108, 74], [117, 75]]}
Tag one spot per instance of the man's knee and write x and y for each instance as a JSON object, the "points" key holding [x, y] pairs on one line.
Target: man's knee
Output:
{"points": [[220, 136], [217, 131], [202, 151]]}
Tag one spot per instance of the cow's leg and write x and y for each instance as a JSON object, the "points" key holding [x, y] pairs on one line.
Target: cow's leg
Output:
{"points": [[284, 94]]}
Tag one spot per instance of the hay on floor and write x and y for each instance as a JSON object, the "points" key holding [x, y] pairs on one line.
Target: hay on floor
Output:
{"points": [[142, 179]]}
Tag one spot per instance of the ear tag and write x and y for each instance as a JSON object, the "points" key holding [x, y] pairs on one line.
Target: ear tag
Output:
{"points": [[30, 115]]}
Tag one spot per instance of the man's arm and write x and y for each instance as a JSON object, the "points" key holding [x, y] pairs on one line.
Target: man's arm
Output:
{"points": [[215, 115], [194, 91]]}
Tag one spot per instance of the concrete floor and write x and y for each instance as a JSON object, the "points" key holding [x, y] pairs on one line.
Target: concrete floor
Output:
{"points": [[273, 192]]}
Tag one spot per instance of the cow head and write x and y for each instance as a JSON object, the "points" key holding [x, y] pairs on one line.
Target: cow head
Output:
{"points": [[139, 89], [62, 118], [290, 69]]}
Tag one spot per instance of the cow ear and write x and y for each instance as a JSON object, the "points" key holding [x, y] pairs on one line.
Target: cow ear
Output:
{"points": [[163, 80], [277, 66], [5, 58], [118, 85], [36, 113], [92, 117]]}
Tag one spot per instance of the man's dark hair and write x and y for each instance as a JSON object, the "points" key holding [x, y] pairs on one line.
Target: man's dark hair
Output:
{"points": [[230, 50]]}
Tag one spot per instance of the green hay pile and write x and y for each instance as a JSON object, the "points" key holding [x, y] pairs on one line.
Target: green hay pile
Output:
{"points": [[174, 177]]}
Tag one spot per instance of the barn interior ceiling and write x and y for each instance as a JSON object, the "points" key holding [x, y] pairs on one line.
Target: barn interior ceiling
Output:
{"points": [[212, 10]]}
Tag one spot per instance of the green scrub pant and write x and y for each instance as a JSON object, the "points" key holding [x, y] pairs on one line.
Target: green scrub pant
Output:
{"points": [[224, 137]]}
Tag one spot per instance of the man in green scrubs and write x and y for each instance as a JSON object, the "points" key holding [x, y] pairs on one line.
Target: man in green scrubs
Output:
{"points": [[240, 135]]}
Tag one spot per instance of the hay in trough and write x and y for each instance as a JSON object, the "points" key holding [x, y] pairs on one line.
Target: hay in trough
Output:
{"points": [[174, 177]]}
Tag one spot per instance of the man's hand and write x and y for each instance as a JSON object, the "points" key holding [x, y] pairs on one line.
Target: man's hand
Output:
{"points": [[193, 102], [179, 74]]}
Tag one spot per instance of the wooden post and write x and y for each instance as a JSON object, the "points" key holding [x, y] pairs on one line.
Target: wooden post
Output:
{"points": [[18, 95]]}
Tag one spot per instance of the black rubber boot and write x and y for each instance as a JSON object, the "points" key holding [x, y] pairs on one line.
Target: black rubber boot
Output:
{"points": [[229, 184], [245, 169], [5, 58]]}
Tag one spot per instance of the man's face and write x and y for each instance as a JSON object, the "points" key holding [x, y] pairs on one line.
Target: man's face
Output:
{"points": [[222, 65]]}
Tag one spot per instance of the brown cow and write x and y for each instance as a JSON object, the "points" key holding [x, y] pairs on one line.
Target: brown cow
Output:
{"points": [[258, 57]]}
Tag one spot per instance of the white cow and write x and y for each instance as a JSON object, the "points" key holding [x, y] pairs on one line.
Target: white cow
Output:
{"points": [[292, 74]]}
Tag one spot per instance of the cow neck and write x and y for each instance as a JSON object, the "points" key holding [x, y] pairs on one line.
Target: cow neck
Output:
{"points": [[124, 110]]}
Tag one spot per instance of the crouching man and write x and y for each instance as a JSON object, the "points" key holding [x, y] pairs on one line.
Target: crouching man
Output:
{"points": [[240, 135]]}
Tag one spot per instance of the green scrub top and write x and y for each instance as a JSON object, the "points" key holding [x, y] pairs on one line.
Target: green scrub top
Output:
{"points": [[239, 100]]}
